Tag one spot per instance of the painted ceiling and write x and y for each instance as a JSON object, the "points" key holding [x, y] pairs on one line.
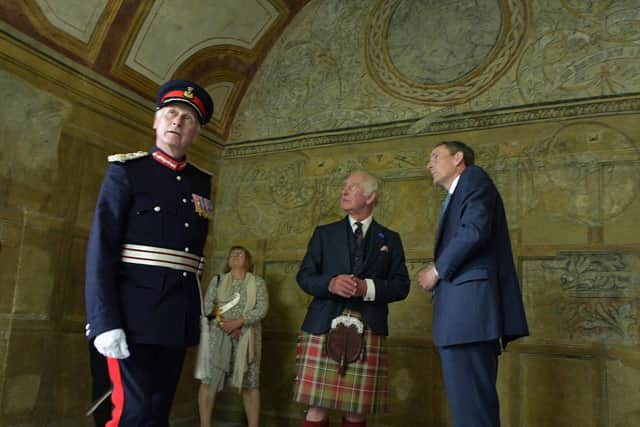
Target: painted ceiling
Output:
{"points": [[139, 44], [291, 69]]}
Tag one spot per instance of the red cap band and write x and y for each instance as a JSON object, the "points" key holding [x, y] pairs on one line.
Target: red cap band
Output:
{"points": [[179, 94]]}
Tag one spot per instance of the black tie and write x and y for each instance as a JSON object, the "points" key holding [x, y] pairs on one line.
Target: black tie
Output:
{"points": [[358, 234], [358, 253]]}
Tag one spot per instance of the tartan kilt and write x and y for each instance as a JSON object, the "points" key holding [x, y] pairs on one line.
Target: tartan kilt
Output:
{"points": [[362, 390]]}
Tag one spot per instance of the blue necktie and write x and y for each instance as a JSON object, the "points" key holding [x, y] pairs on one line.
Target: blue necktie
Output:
{"points": [[444, 208]]}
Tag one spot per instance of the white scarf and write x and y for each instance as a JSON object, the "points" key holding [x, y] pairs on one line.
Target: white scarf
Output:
{"points": [[245, 353]]}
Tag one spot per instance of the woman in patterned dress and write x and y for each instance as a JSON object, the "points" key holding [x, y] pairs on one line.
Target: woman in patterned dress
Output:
{"points": [[236, 302]]}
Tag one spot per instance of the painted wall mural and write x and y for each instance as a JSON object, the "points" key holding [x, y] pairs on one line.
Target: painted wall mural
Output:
{"points": [[582, 173], [442, 54], [568, 171], [571, 192], [581, 49], [349, 64], [583, 297], [288, 197]]}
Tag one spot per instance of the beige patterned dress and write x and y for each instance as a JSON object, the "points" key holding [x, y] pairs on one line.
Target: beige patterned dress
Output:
{"points": [[252, 317]]}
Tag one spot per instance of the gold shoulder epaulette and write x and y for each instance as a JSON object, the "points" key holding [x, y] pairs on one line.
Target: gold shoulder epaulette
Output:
{"points": [[125, 157], [201, 170]]}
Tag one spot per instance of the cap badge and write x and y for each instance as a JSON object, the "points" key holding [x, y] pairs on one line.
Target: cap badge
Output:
{"points": [[188, 93]]}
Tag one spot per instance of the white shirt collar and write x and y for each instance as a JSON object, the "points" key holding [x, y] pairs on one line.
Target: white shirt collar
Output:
{"points": [[365, 224], [454, 184]]}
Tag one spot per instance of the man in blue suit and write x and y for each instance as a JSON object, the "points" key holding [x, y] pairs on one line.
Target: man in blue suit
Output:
{"points": [[478, 305], [353, 268], [144, 258]]}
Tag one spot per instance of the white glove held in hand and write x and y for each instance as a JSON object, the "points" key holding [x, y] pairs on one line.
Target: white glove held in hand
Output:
{"points": [[113, 344]]}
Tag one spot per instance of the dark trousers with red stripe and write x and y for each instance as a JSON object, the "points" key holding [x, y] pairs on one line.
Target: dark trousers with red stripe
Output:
{"points": [[144, 385], [100, 384]]}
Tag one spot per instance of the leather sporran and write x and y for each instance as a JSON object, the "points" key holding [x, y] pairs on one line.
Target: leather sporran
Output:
{"points": [[345, 341]]}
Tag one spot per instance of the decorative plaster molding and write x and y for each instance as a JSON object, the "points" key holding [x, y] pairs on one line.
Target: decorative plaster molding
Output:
{"points": [[451, 123], [87, 43], [237, 30]]}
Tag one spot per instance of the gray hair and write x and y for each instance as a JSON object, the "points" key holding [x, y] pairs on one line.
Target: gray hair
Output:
{"points": [[370, 185]]}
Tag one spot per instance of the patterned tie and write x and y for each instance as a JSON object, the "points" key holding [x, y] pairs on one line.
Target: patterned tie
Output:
{"points": [[358, 252], [358, 234], [444, 208]]}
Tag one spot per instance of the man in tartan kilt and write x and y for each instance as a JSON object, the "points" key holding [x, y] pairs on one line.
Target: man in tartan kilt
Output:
{"points": [[353, 268]]}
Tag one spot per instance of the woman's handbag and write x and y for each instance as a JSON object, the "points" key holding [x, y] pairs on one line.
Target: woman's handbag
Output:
{"points": [[202, 357]]}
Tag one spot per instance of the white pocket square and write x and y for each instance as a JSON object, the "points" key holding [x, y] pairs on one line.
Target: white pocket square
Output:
{"points": [[384, 248]]}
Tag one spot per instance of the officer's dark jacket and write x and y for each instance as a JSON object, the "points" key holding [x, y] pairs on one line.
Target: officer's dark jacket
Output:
{"points": [[146, 203]]}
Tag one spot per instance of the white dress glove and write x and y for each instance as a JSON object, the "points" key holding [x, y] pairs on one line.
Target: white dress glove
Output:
{"points": [[112, 344]]}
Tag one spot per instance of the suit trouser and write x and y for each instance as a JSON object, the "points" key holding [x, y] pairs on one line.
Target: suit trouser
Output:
{"points": [[144, 385], [470, 372]]}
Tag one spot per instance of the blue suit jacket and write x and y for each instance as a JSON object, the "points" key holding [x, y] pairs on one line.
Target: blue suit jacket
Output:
{"points": [[478, 296], [143, 202], [328, 255]]}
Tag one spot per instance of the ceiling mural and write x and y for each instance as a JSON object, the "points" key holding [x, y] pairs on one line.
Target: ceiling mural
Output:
{"points": [[341, 65], [223, 22], [582, 49], [78, 26], [284, 68], [316, 78], [440, 54], [139, 44], [78, 18]]}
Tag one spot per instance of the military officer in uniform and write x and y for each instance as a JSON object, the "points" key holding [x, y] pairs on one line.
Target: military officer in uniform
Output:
{"points": [[144, 258]]}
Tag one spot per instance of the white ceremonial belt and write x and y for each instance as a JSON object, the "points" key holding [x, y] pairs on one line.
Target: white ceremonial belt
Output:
{"points": [[162, 257]]}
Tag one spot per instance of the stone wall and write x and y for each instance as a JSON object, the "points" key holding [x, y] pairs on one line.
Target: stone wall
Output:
{"points": [[58, 127]]}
